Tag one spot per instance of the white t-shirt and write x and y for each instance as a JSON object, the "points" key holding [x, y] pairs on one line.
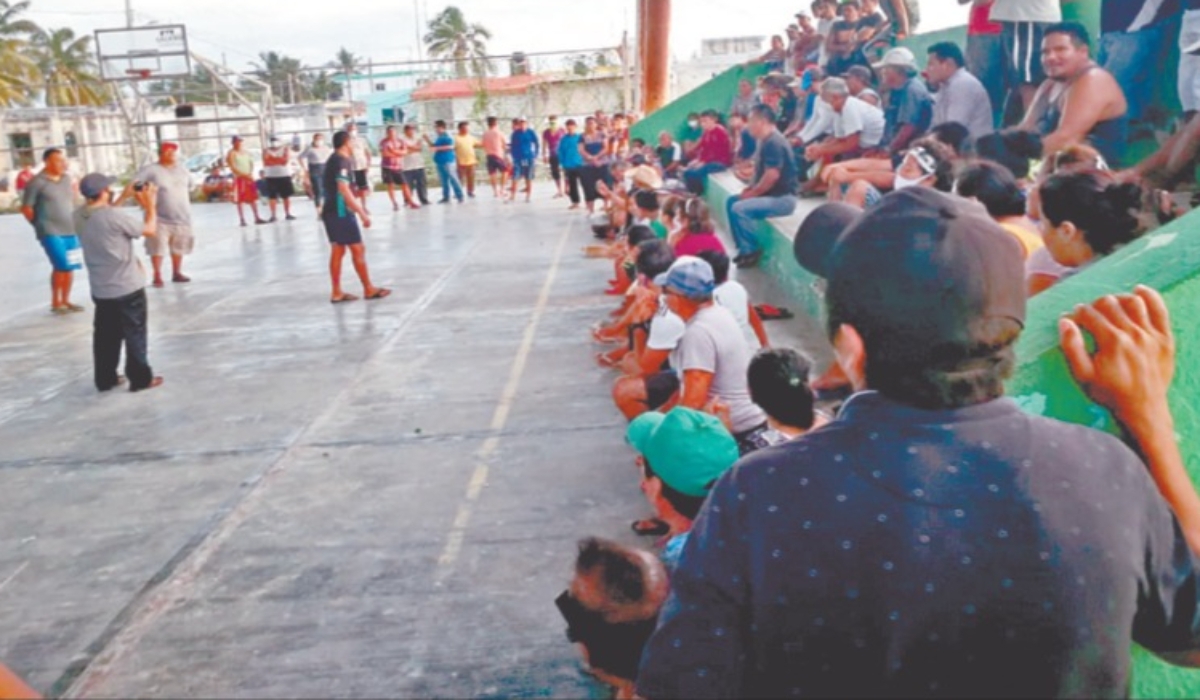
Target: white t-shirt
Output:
{"points": [[711, 344], [858, 117], [413, 160], [360, 152], [1027, 11], [666, 328], [733, 296], [1042, 263], [820, 124]]}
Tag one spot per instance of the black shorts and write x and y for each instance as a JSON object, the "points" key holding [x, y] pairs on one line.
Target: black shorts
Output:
{"points": [[280, 187], [1023, 50], [495, 165], [392, 177], [660, 387], [360, 181], [342, 230]]}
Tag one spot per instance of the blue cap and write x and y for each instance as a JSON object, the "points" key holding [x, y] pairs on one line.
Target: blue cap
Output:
{"points": [[689, 277]]}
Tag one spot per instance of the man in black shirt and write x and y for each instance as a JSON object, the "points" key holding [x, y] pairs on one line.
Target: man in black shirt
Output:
{"points": [[772, 192], [935, 539], [844, 49], [341, 225]]}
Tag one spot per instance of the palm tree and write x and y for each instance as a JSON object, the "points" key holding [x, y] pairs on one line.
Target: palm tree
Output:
{"points": [[451, 37], [322, 87], [283, 73], [68, 68], [347, 64], [18, 71]]}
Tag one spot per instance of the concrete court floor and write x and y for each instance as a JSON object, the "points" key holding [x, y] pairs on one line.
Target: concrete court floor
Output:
{"points": [[376, 499]]}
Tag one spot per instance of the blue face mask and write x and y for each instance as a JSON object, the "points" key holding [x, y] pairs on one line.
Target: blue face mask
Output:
{"points": [[806, 82]]}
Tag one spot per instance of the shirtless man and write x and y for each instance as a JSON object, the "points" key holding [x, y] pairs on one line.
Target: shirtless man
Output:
{"points": [[1080, 101], [495, 147]]}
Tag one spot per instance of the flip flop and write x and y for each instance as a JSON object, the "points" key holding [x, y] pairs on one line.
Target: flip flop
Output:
{"points": [[773, 313], [650, 527], [380, 293], [343, 299]]}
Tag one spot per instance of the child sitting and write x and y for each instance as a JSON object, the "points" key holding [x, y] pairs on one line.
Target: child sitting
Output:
{"points": [[697, 234]]}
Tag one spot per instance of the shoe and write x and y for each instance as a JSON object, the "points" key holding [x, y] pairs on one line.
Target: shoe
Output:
{"points": [[289, 217], [443, 201], [180, 279], [244, 223], [59, 310], [260, 222], [749, 261], [395, 207]]}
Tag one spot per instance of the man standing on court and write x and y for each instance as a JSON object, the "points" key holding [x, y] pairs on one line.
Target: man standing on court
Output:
{"points": [[360, 153], [314, 158], [174, 209], [414, 166], [391, 162], [48, 203], [495, 148], [550, 138], [245, 190], [277, 162], [524, 157], [341, 224], [464, 152], [118, 282]]}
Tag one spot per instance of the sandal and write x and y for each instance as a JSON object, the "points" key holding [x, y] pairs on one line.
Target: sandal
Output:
{"points": [[773, 313], [650, 527], [380, 293], [343, 299]]}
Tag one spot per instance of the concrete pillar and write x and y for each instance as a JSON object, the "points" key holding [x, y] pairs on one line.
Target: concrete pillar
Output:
{"points": [[656, 33]]}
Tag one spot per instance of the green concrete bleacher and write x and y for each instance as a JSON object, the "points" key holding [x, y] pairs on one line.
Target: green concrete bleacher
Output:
{"points": [[1167, 259]]}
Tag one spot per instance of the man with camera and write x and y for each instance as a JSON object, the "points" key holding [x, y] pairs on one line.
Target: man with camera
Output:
{"points": [[118, 282], [174, 209]]}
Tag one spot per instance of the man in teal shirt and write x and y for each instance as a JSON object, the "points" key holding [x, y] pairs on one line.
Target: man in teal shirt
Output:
{"points": [[443, 158], [571, 160]]}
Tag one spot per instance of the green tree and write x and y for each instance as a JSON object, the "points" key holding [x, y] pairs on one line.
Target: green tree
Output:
{"points": [[67, 67], [451, 37], [19, 78], [323, 87], [347, 64], [283, 73]]}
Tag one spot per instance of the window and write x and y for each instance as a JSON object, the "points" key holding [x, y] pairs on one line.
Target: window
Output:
{"points": [[72, 144], [380, 87], [21, 147]]}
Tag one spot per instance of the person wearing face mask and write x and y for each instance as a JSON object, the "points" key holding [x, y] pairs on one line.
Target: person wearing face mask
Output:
{"points": [[314, 158], [610, 608], [361, 155], [691, 135], [928, 163], [106, 235]]}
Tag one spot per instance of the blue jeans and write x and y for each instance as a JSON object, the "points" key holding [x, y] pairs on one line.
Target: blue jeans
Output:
{"points": [[696, 177], [1136, 60], [449, 179], [744, 215]]}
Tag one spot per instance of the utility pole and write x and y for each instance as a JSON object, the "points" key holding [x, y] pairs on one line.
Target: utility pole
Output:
{"points": [[417, 28], [129, 14]]}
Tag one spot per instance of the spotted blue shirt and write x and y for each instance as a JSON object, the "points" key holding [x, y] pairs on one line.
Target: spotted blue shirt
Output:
{"points": [[903, 552]]}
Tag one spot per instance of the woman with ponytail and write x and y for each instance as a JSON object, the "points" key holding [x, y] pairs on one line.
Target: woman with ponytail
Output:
{"points": [[698, 232], [1088, 215]]}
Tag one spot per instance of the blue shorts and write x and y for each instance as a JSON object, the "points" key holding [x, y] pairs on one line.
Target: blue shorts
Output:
{"points": [[342, 230], [523, 169], [64, 252]]}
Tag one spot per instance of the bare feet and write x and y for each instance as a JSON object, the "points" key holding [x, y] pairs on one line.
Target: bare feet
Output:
{"points": [[154, 383]]}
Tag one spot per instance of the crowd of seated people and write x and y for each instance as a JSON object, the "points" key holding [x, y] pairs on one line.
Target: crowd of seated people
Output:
{"points": [[886, 525]]}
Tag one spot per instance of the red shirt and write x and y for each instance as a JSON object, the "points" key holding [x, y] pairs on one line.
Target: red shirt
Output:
{"points": [[696, 243], [715, 147], [981, 20], [23, 179]]}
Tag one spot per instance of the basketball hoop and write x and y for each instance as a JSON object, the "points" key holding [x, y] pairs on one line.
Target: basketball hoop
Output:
{"points": [[139, 73]]}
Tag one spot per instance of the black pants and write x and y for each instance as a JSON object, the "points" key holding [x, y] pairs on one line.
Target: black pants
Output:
{"points": [[555, 169], [574, 175], [120, 322], [589, 176], [416, 183]]}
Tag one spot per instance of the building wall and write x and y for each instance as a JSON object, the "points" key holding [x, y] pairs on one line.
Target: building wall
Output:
{"points": [[567, 98]]}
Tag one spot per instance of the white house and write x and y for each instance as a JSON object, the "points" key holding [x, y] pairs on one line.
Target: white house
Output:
{"points": [[716, 56]]}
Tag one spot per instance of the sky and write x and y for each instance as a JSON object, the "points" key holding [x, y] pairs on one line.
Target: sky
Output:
{"points": [[385, 30]]}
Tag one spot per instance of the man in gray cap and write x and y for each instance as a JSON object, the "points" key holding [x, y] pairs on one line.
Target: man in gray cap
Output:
{"points": [[118, 282], [909, 106], [712, 356]]}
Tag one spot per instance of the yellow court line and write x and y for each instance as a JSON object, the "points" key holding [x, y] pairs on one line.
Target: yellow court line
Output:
{"points": [[500, 416]]}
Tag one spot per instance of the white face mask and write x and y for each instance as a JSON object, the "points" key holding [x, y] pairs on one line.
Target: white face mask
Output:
{"points": [[693, 124], [903, 182]]}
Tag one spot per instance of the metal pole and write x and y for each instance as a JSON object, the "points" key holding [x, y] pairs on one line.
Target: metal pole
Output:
{"points": [[129, 14], [417, 28]]}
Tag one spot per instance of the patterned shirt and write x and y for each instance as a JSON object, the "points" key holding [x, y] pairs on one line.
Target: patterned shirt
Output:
{"points": [[903, 552]]}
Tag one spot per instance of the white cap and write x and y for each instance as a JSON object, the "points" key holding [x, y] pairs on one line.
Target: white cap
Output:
{"points": [[900, 57]]}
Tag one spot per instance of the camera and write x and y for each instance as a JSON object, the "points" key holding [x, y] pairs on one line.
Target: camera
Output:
{"points": [[139, 186]]}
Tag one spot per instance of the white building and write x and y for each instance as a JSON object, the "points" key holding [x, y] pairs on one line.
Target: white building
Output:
{"points": [[716, 56], [94, 138]]}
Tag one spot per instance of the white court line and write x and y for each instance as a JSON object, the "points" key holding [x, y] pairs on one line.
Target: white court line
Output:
{"points": [[5, 582], [500, 416]]}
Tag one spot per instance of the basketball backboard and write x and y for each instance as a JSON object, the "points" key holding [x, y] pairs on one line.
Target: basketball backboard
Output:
{"points": [[155, 52]]}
